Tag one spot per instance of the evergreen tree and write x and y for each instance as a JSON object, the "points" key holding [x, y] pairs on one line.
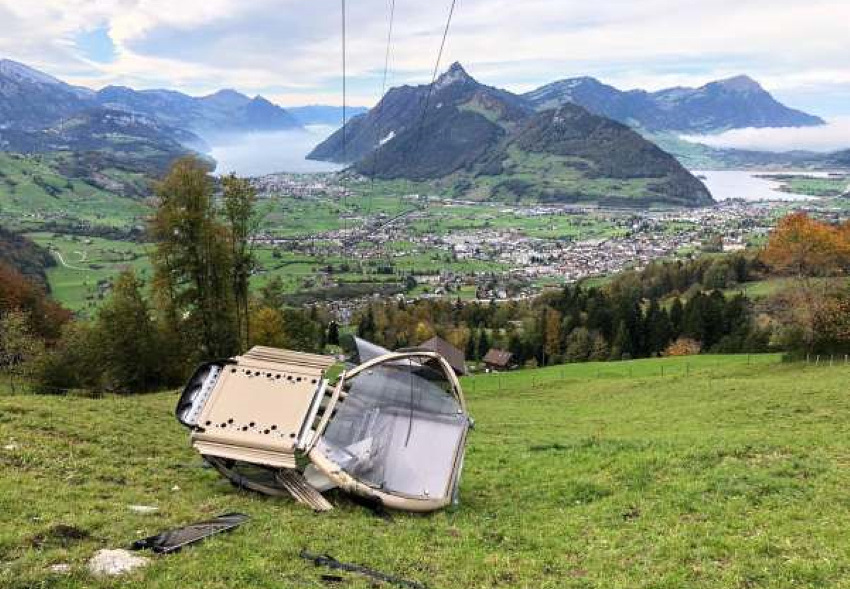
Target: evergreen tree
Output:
{"points": [[677, 312], [658, 329], [483, 342], [366, 327], [470, 351], [333, 333], [620, 343]]}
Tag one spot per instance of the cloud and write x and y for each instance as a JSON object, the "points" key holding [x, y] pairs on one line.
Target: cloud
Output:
{"points": [[290, 48], [833, 136]]}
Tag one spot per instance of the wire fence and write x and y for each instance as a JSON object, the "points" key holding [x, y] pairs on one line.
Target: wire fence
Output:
{"points": [[702, 367], [11, 384]]}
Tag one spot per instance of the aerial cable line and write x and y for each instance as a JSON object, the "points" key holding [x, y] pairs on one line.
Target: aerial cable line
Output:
{"points": [[381, 102], [344, 113], [434, 76]]}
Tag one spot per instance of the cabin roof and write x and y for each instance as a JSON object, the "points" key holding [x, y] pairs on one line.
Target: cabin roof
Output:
{"points": [[496, 357]]}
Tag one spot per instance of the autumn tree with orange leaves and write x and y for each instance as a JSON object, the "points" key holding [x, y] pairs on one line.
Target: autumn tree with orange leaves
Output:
{"points": [[805, 248]]}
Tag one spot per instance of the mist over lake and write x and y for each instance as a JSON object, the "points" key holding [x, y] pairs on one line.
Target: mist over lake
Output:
{"points": [[256, 154]]}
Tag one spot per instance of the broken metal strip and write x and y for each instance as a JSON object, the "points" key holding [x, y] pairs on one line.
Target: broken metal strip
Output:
{"points": [[294, 482], [329, 409], [332, 563], [173, 540], [306, 427]]}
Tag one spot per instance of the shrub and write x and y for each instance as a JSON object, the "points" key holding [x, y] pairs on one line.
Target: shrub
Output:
{"points": [[684, 346]]}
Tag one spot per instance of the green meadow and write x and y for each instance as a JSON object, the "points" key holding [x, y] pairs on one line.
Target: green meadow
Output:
{"points": [[710, 471]]}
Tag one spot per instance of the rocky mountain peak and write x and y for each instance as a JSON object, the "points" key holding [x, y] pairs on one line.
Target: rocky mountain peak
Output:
{"points": [[454, 75]]}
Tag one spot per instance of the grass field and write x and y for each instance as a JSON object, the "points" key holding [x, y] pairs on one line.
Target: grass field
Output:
{"points": [[84, 262], [33, 190], [815, 186], [723, 472]]}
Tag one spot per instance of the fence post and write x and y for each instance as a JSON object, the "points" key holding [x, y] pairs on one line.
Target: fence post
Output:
{"points": [[817, 360], [830, 360], [662, 370]]}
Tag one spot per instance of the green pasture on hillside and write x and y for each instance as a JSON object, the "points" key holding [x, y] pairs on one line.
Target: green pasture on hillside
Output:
{"points": [[722, 472]]}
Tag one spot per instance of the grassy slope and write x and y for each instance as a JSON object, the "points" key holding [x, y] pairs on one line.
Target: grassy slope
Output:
{"points": [[729, 475], [87, 261], [33, 190]]}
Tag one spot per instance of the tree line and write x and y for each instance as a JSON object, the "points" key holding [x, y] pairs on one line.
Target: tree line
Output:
{"points": [[576, 323], [667, 308]]}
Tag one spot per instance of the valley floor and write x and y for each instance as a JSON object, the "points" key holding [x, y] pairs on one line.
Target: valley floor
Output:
{"points": [[700, 472]]}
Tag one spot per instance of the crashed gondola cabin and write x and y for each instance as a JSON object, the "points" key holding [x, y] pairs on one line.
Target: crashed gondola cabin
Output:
{"points": [[391, 429]]}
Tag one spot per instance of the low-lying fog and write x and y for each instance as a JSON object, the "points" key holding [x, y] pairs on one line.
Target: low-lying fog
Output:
{"points": [[833, 136], [256, 154]]}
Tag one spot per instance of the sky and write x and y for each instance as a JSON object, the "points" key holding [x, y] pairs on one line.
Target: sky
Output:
{"points": [[289, 50]]}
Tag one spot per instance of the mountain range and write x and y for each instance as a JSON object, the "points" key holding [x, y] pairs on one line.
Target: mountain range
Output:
{"points": [[725, 104], [31, 100], [140, 130], [486, 143], [474, 139]]}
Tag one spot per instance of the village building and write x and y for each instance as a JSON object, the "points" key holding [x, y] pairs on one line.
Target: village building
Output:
{"points": [[498, 360]]}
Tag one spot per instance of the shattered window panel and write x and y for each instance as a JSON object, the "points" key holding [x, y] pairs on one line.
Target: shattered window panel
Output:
{"points": [[399, 430]]}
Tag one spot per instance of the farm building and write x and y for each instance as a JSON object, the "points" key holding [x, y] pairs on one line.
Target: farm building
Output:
{"points": [[498, 360]]}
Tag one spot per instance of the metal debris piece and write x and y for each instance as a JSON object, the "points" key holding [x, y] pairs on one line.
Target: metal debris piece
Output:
{"points": [[392, 430], [332, 563], [174, 540], [294, 482]]}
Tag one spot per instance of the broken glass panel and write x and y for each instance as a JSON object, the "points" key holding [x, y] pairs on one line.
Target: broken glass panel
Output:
{"points": [[400, 430]]}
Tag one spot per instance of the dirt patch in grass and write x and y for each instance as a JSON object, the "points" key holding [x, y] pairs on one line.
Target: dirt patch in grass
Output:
{"points": [[61, 535]]}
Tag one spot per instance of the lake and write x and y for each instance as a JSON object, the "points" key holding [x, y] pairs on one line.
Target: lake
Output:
{"points": [[257, 154], [729, 184]]}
